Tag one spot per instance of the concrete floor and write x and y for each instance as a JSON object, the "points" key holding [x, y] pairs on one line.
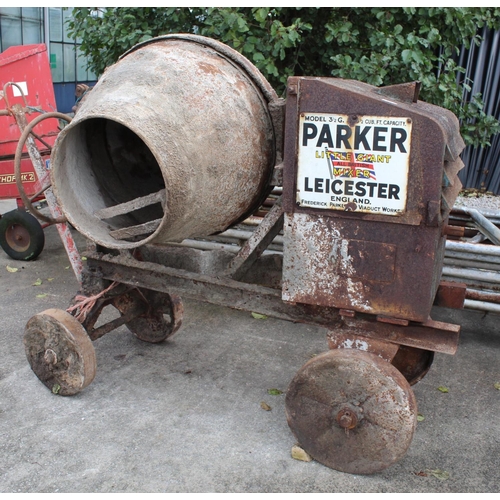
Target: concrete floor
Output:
{"points": [[186, 416]]}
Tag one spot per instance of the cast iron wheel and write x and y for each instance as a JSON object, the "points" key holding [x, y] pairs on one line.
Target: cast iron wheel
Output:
{"points": [[162, 318], [352, 411], [413, 363], [21, 235], [60, 352]]}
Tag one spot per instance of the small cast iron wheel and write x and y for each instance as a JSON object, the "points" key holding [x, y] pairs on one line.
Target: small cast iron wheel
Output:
{"points": [[60, 352], [162, 318], [351, 411], [21, 235], [413, 363]]}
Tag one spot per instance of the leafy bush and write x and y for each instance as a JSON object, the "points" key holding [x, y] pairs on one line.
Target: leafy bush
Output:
{"points": [[379, 45]]}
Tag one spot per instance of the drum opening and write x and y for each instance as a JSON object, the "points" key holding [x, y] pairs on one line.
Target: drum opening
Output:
{"points": [[105, 171]]}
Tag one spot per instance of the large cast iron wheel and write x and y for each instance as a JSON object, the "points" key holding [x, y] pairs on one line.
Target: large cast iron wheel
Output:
{"points": [[163, 316], [352, 411], [21, 235], [60, 352]]}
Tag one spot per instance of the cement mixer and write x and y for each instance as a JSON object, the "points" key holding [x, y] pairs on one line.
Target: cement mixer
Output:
{"points": [[194, 160], [182, 139]]}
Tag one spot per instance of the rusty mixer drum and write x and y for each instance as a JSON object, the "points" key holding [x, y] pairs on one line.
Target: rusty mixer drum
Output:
{"points": [[174, 141]]}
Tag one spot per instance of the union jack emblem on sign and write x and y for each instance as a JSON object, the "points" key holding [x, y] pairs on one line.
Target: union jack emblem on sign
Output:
{"points": [[345, 165]]}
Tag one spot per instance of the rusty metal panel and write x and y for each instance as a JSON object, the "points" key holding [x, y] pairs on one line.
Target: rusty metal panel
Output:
{"points": [[345, 340], [451, 294], [364, 181], [365, 266]]}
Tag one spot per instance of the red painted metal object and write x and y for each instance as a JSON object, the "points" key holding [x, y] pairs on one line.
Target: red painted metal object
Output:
{"points": [[27, 66], [27, 101], [25, 80]]}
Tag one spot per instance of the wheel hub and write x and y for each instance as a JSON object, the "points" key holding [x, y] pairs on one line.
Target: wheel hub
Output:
{"points": [[50, 357], [18, 237], [347, 419]]}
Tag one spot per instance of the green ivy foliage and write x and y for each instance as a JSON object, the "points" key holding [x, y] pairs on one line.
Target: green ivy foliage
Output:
{"points": [[379, 45]]}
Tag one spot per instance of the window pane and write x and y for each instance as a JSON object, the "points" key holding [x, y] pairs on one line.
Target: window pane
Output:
{"points": [[32, 13], [69, 63], [81, 67], [91, 76], [55, 23], [10, 11], [11, 32], [32, 32], [56, 62], [66, 17], [82, 74]]}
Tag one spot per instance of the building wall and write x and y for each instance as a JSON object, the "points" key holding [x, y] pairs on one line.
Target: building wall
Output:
{"points": [[27, 25]]}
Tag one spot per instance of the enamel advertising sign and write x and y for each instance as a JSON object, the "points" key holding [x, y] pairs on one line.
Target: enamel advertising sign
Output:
{"points": [[361, 167]]}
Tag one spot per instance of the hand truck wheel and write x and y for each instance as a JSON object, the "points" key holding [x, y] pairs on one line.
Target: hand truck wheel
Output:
{"points": [[21, 235]]}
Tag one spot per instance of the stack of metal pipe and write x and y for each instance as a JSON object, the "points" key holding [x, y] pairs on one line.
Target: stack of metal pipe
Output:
{"points": [[473, 262]]}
